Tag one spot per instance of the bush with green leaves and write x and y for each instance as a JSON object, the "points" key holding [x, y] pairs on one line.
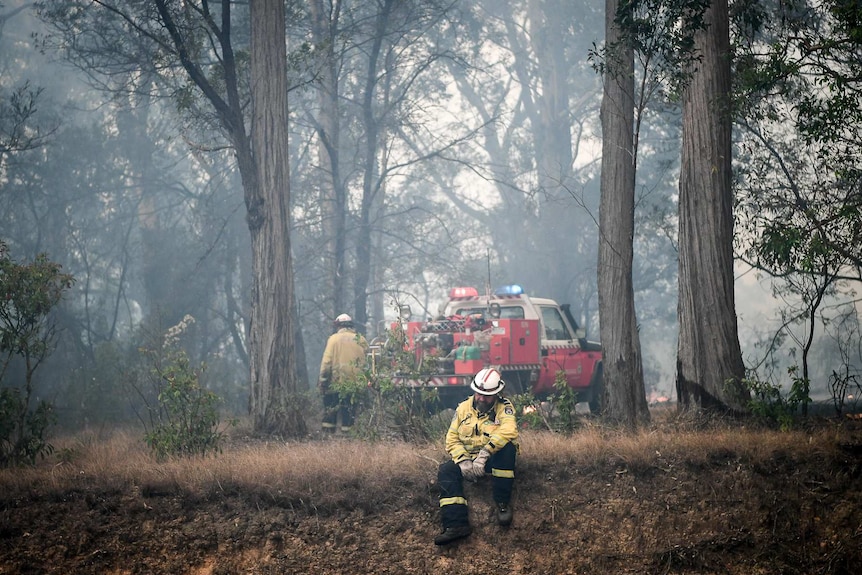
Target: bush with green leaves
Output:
{"points": [[29, 293], [185, 419], [23, 441], [768, 404], [556, 412], [384, 409]]}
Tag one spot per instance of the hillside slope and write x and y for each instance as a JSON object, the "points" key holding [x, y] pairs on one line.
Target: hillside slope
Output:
{"points": [[603, 507]]}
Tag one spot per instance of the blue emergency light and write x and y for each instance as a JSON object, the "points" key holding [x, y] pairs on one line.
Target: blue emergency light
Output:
{"points": [[513, 289]]}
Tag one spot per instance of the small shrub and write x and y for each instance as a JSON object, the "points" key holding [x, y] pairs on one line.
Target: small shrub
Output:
{"points": [[29, 293], [800, 387], [845, 388], [558, 411], [23, 431], [768, 404], [532, 413], [384, 409], [565, 399], [185, 419]]}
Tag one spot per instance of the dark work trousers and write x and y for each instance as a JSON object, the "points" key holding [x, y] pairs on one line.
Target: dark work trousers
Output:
{"points": [[453, 504], [333, 406]]}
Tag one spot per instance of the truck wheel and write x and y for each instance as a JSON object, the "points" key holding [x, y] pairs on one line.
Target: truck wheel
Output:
{"points": [[597, 390]]}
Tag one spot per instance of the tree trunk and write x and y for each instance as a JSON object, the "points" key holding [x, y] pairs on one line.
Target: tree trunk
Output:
{"points": [[709, 359], [372, 194], [333, 193], [625, 399], [552, 136], [275, 401]]}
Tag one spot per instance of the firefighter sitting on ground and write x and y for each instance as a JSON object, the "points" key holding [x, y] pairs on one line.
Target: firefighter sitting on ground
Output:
{"points": [[343, 359], [482, 438]]}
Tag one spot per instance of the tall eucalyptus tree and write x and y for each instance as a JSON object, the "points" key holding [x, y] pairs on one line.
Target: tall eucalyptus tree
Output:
{"points": [[327, 37], [710, 369], [624, 396], [275, 403], [195, 53]]}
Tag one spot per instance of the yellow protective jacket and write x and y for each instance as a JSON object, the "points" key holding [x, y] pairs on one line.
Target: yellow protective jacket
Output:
{"points": [[469, 431], [343, 357]]}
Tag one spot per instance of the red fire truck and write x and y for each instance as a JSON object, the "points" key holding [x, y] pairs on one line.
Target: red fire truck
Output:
{"points": [[530, 340]]}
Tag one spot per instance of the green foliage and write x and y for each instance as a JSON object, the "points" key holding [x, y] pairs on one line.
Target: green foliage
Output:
{"points": [[384, 409], [185, 419], [23, 431], [780, 245], [396, 356], [556, 413], [800, 388], [768, 403], [662, 35], [28, 295], [796, 83], [565, 400], [531, 413]]}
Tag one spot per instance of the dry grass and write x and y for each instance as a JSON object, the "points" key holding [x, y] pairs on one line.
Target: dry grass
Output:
{"points": [[329, 473], [594, 446], [119, 460]]}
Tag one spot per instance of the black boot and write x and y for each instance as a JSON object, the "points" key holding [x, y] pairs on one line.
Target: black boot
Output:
{"points": [[451, 534], [504, 514]]}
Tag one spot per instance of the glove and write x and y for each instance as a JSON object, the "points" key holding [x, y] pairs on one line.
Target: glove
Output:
{"points": [[479, 463], [467, 469]]}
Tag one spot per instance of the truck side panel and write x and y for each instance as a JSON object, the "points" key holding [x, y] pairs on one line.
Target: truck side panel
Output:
{"points": [[523, 340], [577, 364]]}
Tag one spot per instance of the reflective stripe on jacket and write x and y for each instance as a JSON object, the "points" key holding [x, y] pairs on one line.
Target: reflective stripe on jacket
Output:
{"points": [[469, 431]]}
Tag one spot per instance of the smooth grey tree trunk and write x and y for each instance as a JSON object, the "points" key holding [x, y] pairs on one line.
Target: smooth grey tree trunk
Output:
{"points": [[709, 359], [624, 396]]}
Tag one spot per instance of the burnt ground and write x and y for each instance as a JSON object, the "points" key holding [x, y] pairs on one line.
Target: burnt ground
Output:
{"points": [[795, 512]]}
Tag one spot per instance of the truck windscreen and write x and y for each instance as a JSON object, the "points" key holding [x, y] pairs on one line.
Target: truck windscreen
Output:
{"points": [[511, 312]]}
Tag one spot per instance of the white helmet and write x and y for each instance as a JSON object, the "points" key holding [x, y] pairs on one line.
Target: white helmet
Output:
{"points": [[488, 382], [344, 318]]}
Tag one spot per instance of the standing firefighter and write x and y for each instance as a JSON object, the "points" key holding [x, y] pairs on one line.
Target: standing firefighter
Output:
{"points": [[482, 438], [343, 359]]}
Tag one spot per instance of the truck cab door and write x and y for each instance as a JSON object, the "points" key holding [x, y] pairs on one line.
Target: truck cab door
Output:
{"points": [[560, 352]]}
